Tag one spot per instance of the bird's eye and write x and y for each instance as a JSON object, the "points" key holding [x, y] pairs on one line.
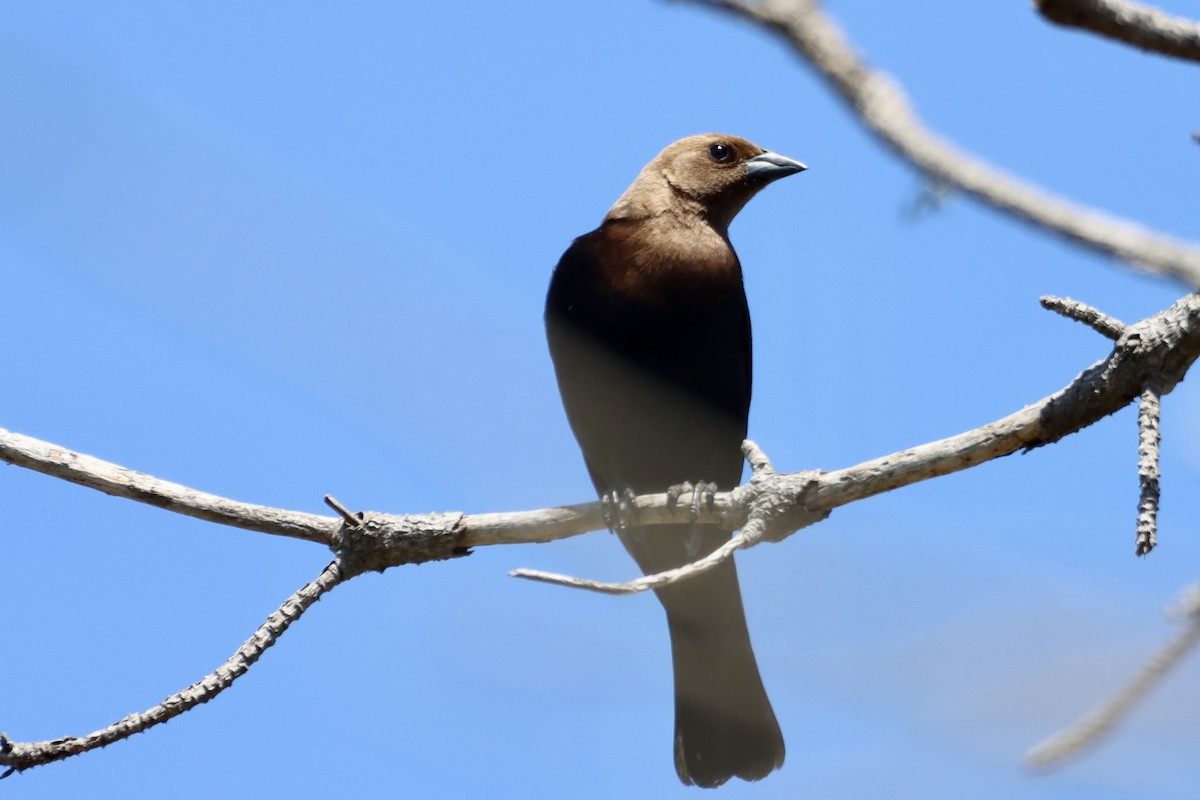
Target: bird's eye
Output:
{"points": [[720, 152]]}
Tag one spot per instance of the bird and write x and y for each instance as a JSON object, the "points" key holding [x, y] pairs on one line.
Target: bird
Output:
{"points": [[649, 332]]}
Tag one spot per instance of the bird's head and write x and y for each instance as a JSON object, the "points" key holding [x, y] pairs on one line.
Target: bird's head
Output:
{"points": [[712, 174]]}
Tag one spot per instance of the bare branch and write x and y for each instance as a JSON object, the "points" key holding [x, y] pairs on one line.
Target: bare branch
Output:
{"points": [[1161, 347], [50, 459], [1133, 23], [1098, 391], [23, 755], [1154, 352], [1091, 728], [883, 108], [543, 525]]}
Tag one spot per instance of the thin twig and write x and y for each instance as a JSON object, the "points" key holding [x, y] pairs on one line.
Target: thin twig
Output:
{"points": [[1149, 413], [653, 581], [346, 514], [23, 755], [759, 463], [1108, 327]]}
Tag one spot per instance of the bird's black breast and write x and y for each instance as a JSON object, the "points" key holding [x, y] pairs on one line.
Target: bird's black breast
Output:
{"points": [[657, 389]]}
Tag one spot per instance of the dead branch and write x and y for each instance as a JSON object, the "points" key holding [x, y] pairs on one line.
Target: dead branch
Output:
{"points": [[1155, 351], [880, 103], [1160, 347], [776, 506], [19, 756]]}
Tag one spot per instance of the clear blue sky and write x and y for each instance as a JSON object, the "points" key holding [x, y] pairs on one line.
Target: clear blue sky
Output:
{"points": [[277, 252]]}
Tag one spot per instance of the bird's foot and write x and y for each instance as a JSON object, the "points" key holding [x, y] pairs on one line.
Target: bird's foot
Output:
{"points": [[619, 509], [703, 494]]}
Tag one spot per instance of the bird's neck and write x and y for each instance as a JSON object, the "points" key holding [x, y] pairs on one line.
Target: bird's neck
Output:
{"points": [[656, 197], [660, 257]]}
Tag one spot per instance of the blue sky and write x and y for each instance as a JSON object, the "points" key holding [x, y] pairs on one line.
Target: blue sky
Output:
{"points": [[275, 253]]}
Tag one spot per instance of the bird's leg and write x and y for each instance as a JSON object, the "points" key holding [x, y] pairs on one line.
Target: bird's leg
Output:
{"points": [[703, 493], [619, 508]]}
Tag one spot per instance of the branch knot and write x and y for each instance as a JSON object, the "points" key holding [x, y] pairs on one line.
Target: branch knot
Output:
{"points": [[380, 541], [779, 505]]}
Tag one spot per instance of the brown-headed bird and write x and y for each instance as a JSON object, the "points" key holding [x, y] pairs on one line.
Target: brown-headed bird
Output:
{"points": [[649, 332]]}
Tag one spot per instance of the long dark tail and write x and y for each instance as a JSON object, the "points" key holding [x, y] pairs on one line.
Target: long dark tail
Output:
{"points": [[724, 724]]}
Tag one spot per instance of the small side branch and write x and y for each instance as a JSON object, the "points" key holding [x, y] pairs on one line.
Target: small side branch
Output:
{"points": [[1092, 727], [759, 463], [19, 756], [1108, 327], [653, 581], [1132, 23], [1130, 339], [1149, 412], [348, 517]]}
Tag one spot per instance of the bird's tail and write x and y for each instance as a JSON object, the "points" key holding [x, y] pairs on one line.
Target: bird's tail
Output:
{"points": [[724, 723]]}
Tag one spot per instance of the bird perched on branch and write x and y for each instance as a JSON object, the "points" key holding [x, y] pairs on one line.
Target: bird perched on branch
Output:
{"points": [[649, 332]]}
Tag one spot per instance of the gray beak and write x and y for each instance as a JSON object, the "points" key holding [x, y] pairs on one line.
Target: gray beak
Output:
{"points": [[768, 166]]}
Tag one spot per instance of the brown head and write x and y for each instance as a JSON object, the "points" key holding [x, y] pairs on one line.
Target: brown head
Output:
{"points": [[710, 175]]}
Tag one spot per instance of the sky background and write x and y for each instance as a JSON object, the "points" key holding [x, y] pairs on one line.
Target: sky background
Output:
{"points": [[274, 251]]}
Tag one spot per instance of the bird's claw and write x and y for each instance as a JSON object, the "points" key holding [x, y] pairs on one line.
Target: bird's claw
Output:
{"points": [[673, 493], [619, 508], [703, 493]]}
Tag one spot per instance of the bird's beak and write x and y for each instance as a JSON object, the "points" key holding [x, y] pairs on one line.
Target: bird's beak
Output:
{"points": [[768, 166]]}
